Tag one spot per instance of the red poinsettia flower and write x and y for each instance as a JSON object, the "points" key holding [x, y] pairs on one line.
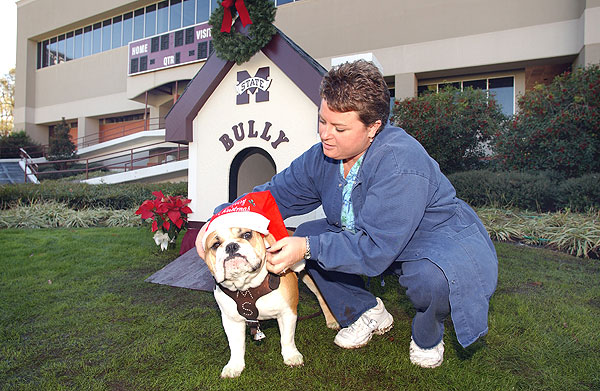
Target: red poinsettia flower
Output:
{"points": [[168, 213]]}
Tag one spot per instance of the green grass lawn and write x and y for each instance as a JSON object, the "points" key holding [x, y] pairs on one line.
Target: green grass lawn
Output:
{"points": [[76, 314]]}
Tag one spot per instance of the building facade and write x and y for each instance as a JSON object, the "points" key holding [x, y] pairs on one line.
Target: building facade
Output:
{"points": [[100, 63]]}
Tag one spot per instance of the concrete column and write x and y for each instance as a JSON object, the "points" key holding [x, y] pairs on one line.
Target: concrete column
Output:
{"points": [[590, 54], [405, 85], [88, 130], [157, 116]]}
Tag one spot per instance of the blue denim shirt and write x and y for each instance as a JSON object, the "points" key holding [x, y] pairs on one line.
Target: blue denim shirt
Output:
{"points": [[405, 209]]}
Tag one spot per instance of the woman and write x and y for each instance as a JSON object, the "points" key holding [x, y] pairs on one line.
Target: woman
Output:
{"points": [[388, 208]]}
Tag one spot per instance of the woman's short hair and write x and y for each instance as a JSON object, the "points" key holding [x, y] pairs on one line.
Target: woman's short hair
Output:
{"points": [[357, 86]]}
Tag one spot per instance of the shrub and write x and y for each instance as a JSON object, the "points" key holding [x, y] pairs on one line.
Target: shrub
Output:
{"points": [[454, 126], [82, 195], [10, 144], [557, 126], [580, 193], [535, 191], [532, 191]]}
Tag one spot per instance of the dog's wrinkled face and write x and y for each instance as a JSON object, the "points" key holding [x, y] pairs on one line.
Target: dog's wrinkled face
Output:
{"points": [[234, 255]]}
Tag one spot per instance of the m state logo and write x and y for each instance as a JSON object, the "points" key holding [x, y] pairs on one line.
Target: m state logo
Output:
{"points": [[257, 85]]}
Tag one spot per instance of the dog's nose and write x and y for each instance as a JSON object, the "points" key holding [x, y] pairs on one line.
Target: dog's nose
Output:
{"points": [[232, 248]]}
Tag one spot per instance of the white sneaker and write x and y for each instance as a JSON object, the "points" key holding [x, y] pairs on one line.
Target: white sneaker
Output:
{"points": [[426, 358], [374, 321]]}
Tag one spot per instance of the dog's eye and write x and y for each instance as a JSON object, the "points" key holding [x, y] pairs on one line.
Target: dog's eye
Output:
{"points": [[246, 235], [215, 246]]}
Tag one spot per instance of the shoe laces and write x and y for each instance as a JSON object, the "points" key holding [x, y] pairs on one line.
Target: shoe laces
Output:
{"points": [[363, 323]]}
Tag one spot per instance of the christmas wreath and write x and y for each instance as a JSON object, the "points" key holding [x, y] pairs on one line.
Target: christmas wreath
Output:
{"points": [[232, 45]]}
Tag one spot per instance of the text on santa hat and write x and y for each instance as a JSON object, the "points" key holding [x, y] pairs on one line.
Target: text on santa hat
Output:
{"points": [[239, 134], [234, 209]]}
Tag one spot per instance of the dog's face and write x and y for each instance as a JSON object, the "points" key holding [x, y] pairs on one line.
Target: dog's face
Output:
{"points": [[235, 256]]}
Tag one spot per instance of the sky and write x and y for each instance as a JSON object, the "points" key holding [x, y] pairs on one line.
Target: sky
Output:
{"points": [[8, 35]]}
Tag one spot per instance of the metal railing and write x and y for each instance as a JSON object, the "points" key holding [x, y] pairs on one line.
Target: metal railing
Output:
{"points": [[122, 161], [124, 130], [32, 166]]}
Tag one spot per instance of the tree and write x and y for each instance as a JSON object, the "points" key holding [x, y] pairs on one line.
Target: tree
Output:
{"points": [[61, 146], [7, 102], [454, 126], [557, 127]]}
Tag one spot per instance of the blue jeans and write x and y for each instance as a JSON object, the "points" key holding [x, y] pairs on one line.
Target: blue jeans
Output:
{"points": [[346, 294]]}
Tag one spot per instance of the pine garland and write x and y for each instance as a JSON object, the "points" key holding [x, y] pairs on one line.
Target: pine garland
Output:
{"points": [[235, 46]]}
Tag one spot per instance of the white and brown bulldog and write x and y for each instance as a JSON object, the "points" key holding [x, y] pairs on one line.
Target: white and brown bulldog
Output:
{"points": [[236, 257], [235, 245]]}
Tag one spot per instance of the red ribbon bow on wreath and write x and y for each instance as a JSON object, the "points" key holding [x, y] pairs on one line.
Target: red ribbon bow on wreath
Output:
{"points": [[227, 18]]}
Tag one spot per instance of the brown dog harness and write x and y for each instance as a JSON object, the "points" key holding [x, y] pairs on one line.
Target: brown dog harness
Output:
{"points": [[246, 302]]}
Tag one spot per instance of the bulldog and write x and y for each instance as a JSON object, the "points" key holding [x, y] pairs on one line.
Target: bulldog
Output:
{"points": [[247, 293]]}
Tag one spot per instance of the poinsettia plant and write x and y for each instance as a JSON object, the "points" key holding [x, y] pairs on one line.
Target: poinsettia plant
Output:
{"points": [[168, 214]]}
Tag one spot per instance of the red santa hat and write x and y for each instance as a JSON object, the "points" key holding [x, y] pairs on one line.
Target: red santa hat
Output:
{"points": [[256, 211]]}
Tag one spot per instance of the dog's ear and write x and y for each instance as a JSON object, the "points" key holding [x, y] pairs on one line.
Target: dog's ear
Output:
{"points": [[209, 255], [269, 240]]}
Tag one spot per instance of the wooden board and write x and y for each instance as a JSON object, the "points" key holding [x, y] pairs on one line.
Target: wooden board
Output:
{"points": [[187, 271]]}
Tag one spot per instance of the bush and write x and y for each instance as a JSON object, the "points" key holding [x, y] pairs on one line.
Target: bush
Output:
{"points": [[9, 145], [557, 126], [535, 191], [454, 126], [580, 193], [82, 195], [522, 190]]}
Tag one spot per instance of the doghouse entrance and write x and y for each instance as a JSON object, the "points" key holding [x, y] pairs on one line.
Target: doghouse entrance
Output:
{"points": [[251, 167]]}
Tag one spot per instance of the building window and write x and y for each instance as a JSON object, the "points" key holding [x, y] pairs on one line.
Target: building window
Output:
{"points": [[106, 35], [138, 24], [189, 12], [116, 32], [45, 53], [39, 55], [69, 46], [97, 38], [202, 10], [162, 24], [52, 51], [78, 43], [150, 21], [61, 52], [175, 15], [501, 88], [127, 28]]}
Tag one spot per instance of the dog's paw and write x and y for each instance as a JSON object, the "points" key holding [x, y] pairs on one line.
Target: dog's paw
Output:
{"points": [[231, 371], [294, 360], [333, 324]]}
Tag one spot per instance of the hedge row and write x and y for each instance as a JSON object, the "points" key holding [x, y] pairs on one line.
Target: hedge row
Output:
{"points": [[81, 195], [537, 191], [542, 191]]}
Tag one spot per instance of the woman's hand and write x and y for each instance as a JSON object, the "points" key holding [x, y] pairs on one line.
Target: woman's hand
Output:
{"points": [[285, 253]]}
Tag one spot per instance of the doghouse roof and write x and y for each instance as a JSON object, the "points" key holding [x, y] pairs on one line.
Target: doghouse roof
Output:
{"points": [[295, 63]]}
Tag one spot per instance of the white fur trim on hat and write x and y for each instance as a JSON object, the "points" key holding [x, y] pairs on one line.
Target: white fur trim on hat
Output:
{"points": [[251, 220]]}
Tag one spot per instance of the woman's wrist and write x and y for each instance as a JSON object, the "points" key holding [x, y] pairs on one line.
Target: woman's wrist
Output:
{"points": [[307, 250]]}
